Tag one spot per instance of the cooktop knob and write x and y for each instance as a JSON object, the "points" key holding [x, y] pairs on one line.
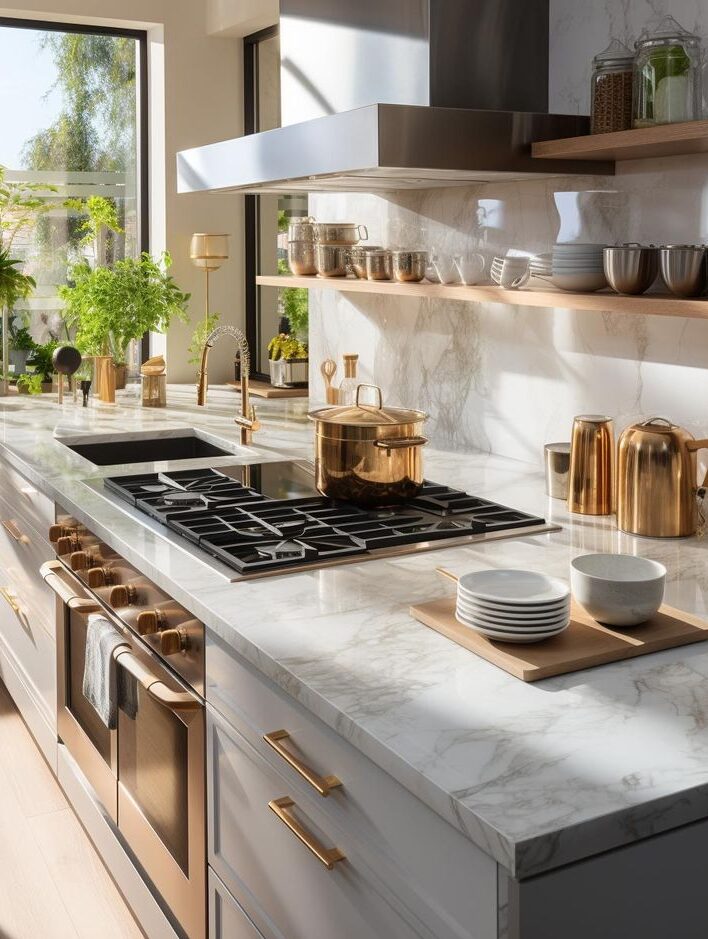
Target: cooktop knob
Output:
{"points": [[173, 641], [80, 560], [98, 577], [65, 544], [150, 621], [56, 532], [122, 595]]}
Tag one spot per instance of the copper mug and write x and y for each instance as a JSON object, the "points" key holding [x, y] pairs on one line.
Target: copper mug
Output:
{"points": [[591, 481]]}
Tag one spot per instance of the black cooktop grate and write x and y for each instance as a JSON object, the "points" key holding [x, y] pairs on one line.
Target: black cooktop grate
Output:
{"points": [[252, 533]]}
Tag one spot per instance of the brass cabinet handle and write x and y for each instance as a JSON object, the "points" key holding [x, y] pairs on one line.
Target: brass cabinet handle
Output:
{"points": [[326, 856], [13, 531], [322, 784], [11, 600]]}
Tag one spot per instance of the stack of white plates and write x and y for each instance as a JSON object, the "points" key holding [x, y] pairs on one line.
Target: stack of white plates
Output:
{"points": [[513, 606], [578, 267], [541, 265]]}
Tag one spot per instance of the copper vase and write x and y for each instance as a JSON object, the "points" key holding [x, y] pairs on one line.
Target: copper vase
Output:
{"points": [[592, 466]]}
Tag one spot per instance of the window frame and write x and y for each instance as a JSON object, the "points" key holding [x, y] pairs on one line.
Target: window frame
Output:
{"points": [[143, 160], [252, 202]]}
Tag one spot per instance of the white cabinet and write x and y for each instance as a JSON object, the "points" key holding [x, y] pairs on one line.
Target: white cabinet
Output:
{"points": [[446, 882], [267, 865], [226, 918], [27, 611]]}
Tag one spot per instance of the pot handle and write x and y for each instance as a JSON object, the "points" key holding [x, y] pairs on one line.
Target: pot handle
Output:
{"points": [[376, 388], [400, 443], [362, 229]]}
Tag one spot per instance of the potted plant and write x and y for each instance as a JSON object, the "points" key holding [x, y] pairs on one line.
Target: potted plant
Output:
{"points": [[41, 362], [21, 346], [288, 361], [31, 384], [112, 306]]}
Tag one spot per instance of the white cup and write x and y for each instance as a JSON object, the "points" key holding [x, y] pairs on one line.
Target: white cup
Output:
{"points": [[511, 274], [470, 268], [445, 268]]}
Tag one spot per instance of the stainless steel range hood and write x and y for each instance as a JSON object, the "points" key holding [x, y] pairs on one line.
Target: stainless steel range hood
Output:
{"points": [[406, 94]]}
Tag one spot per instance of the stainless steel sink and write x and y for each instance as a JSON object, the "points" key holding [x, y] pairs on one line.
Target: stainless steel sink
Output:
{"points": [[113, 450]]}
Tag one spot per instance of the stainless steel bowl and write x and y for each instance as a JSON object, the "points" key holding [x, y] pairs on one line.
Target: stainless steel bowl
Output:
{"points": [[684, 269], [357, 259], [631, 268], [339, 233], [331, 260], [409, 266], [301, 229], [379, 265], [301, 258]]}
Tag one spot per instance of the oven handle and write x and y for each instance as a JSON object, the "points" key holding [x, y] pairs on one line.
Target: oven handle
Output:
{"points": [[158, 690], [53, 573]]}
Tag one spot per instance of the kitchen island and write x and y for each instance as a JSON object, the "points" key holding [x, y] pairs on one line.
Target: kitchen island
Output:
{"points": [[537, 777]]}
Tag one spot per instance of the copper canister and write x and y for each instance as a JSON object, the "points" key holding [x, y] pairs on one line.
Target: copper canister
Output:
{"points": [[657, 480], [591, 480]]}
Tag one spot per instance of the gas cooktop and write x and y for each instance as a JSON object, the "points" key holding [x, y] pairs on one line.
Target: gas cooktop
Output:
{"points": [[268, 518]]}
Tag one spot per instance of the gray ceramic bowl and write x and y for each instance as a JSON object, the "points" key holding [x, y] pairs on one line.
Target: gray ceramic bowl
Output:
{"points": [[618, 589]]}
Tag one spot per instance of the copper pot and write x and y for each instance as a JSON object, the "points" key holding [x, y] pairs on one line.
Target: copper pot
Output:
{"points": [[368, 454], [657, 488]]}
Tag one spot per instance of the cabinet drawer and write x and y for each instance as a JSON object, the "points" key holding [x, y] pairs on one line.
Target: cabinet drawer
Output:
{"points": [[226, 918], [29, 645], [284, 887], [25, 499], [22, 552], [431, 866]]}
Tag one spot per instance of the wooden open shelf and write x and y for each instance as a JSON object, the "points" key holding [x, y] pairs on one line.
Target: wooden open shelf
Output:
{"points": [[641, 144], [604, 301]]}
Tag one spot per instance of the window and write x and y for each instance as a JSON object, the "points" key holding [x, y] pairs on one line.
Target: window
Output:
{"points": [[72, 155], [267, 216]]}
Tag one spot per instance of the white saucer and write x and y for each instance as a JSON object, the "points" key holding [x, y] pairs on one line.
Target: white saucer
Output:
{"points": [[512, 586]]}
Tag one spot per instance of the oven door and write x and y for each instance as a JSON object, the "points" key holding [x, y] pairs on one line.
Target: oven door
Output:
{"points": [[86, 737], [149, 774], [161, 773]]}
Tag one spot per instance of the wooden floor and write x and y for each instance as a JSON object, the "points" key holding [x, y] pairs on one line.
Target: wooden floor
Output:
{"points": [[52, 882]]}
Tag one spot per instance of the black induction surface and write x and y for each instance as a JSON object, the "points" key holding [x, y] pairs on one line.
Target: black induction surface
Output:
{"points": [[268, 517]]}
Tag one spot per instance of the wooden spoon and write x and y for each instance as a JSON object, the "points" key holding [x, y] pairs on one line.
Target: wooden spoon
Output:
{"points": [[328, 369]]}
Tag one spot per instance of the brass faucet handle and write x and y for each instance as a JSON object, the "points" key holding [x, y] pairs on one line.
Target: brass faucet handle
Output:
{"points": [[255, 423]]}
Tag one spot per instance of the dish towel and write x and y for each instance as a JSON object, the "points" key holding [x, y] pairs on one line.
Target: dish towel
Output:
{"points": [[100, 686]]}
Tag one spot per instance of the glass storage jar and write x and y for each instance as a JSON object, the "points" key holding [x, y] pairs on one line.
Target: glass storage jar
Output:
{"points": [[611, 107], [667, 76]]}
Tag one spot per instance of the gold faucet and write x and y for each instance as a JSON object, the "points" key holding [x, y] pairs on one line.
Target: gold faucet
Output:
{"points": [[247, 419]]}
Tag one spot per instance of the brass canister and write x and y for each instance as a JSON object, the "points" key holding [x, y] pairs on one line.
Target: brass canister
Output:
{"points": [[592, 465], [657, 489]]}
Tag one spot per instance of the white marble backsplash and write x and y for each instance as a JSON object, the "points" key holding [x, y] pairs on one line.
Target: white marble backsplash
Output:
{"points": [[505, 379]]}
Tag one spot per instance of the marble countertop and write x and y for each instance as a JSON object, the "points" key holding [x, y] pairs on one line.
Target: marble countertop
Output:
{"points": [[537, 775]]}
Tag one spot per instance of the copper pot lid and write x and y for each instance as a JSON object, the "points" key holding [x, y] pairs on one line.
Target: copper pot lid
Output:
{"points": [[367, 415]]}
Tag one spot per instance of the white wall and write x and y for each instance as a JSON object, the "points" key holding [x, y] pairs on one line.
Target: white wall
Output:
{"points": [[508, 379], [196, 88]]}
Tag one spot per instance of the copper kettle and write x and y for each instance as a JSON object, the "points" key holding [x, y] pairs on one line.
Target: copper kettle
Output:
{"points": [[657, 490]]}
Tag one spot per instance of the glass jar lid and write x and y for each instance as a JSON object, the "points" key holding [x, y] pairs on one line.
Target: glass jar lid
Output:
{"points": [[668, 32], [616, 55]]}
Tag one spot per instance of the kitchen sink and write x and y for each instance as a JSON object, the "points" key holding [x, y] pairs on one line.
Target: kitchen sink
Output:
{"points": [[115, 450]]}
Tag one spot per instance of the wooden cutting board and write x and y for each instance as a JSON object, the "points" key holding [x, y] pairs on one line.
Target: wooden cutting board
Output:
{"points": [[584, 644], [263, 389]]}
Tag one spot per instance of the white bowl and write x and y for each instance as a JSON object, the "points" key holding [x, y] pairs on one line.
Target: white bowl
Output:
{"points": [[581, 282], [618, 589], [513, 637], [580, 263], [505, 585], [578, 248]]}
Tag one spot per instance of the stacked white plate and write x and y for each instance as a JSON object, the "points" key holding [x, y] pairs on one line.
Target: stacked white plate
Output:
{"points": [[578, 267], [513, 606], [541, 265]]}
